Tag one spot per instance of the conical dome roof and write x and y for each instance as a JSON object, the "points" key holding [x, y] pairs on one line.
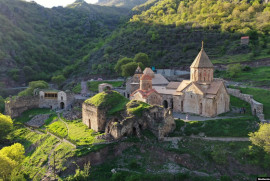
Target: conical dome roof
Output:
{"points": [[138, 70], [149, 72], [202, 60]]}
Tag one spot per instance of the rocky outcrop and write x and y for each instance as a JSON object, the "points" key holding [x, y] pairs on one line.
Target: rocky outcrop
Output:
{"points": [[256, 107]]}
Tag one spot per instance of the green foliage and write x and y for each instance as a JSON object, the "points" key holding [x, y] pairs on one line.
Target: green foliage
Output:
{"points": [[127, 66], [2, 104], [42, 45], [81, 175], [142, 58], [129, 69], [93, 85], [29, 114], [261, 137], [32, 86], [10, 158], [234, 127], [77, 89], [59, 79], [6, 125], [120, 63], [137, 107], [234, 69]]}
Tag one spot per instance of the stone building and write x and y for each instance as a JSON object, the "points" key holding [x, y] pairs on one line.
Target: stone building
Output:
{"points": [[133, 83], [55, 99], [202, 94], [146, 93], [95, 114]]}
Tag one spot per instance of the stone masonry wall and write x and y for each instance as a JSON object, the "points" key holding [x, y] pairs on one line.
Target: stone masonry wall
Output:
{"points": [[15, 107], [256, 107]]}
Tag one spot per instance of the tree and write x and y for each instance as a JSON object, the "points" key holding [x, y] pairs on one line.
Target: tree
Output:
{"points": [[10, 158], [129, 69], [261, 138], [2, 104], [120, 63], [6, 125], [234, 69], [143, 58], [32, 86], [59, 79]]}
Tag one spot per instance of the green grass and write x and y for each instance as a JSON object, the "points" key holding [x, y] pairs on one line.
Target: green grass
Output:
{"points": [[257, 76], [137, 107], [29, 114], [77, 89], [58, 128], [81, 134], [93, 85], [236, 102], [260, 95], [236, 127], [51, 118], [111, 100]]}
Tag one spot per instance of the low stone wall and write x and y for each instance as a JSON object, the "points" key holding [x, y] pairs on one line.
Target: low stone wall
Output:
{"points": [[256, 107], [15, 107]]}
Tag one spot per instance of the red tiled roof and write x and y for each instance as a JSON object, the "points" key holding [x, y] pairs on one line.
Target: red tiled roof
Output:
{"points": [[146, 77], [144, 93]]}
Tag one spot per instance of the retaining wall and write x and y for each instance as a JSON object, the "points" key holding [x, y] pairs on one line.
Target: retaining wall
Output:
{"points": [[256, 107]]}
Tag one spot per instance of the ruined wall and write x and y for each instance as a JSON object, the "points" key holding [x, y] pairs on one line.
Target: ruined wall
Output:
{"points": [[256, 107], [15, 107]]}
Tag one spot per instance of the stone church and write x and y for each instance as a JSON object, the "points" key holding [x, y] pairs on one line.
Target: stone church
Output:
{"points": [[202, 94]]}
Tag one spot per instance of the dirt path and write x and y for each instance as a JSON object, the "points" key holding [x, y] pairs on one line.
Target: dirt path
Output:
{"points": [[200, 118], [225, 139]]}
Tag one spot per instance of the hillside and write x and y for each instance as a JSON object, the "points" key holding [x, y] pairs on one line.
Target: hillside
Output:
{"points": [[36, 42], [171, 31], [121, 3]]}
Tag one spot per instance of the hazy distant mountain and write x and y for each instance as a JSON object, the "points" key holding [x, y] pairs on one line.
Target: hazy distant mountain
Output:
{"points": [[121, 3]]}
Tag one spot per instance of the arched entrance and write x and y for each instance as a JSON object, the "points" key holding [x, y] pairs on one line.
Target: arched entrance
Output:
{"points": [[62, 105], [165, 104]]}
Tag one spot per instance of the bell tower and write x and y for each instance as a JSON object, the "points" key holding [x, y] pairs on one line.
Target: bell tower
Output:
{"points": [[202, 69], [146, 82]]}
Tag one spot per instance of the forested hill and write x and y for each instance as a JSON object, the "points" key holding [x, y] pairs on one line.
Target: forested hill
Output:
{"points": [[36, 42], [121, 3], [171, 31]]}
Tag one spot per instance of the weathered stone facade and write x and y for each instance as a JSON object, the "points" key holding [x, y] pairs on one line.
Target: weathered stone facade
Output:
{"points": [[94, 117], [15, 107], [54, 99], [157, 119], [146, 93], [256, 107]]}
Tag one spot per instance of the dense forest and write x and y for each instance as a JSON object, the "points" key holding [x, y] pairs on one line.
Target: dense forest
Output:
{"points": [[36, 42], [85, 40]]}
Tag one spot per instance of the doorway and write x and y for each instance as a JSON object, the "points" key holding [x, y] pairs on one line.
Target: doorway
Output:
{"points": [[165, 104], [62, 105]]}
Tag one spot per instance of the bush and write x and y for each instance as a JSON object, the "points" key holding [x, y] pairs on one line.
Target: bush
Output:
{"points": [[32, 86], [234, 69], [6, 125]]}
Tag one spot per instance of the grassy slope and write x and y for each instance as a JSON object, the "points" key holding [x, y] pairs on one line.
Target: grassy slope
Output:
{"points": [[256, 76]]}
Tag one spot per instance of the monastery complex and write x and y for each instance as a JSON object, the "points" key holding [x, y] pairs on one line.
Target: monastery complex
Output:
{"points": [[202, 94]]}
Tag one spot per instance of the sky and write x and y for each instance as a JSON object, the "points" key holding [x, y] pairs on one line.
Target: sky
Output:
{"points": [[52, 3]]}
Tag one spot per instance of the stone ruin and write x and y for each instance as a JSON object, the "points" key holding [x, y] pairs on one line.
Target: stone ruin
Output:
{"points": [[157, 119]]}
